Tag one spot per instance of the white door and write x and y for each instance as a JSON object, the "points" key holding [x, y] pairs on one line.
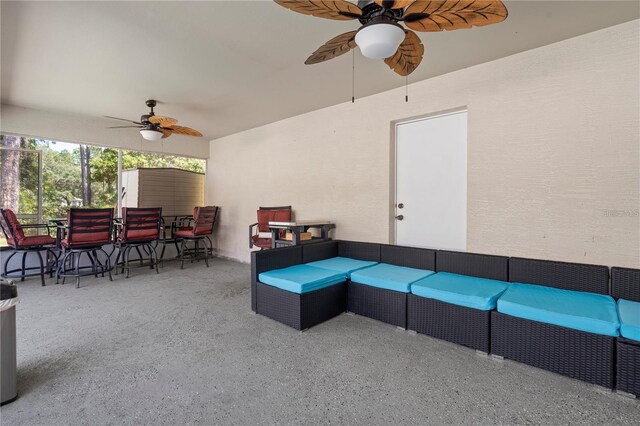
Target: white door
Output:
{"points": [[431, 182]]}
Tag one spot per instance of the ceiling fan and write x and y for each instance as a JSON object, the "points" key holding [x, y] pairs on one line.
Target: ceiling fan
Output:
{"points": [[382, 37], [155, 127]]}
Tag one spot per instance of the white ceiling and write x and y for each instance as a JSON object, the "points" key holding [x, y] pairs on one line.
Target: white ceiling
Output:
{"points": [[226, 66]]}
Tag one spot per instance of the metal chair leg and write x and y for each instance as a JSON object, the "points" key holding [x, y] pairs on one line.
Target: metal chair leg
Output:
{"points": [[126, 262], [107, 263], [182, 254], [61, 266], [139, 255], [206, 254], [210, 246], [6, 262], [99, 265], [42, 271], [52, 262], [147, 251], [93, 264], [118, 256], [24, 264], [78, 269]]}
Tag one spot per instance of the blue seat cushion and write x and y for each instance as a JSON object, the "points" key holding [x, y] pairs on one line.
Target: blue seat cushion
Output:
{"points": [[342, 264], [590, 312], [629, 319], [389, 277], [461, 290], [302, 278]]}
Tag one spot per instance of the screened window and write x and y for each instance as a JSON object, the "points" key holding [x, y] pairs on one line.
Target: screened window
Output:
{"points": [[42, 179]]}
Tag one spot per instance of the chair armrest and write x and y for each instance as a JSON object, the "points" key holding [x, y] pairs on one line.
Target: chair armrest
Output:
{"points": [[38, 226], [252, 233], [179, 223]]}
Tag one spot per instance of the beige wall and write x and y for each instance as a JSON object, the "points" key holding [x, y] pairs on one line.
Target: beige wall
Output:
{"points": [[553, 156], [92, 130]]}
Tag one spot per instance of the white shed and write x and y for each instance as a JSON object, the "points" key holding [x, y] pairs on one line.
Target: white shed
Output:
{"points": [[176, 191]]}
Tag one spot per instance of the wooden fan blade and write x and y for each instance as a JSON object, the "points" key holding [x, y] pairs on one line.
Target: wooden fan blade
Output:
{"points": [[123, 127], [183, 131], [335, 47], [408, 56], [122, 119], [397, 4], [441, 15], [165, 133], [163, 121], [340, 10]]}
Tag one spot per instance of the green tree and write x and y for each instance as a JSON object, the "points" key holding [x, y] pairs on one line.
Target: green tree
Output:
{"points": [[10, 173], [61, 182]]}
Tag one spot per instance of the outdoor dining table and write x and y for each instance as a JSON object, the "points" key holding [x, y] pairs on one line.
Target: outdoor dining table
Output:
{"points": [[61, 229], [296, 228], [166, 230]]}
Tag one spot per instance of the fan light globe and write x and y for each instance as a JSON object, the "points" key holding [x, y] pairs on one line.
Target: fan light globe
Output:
{"points": [[379, 41], [151, 135]]}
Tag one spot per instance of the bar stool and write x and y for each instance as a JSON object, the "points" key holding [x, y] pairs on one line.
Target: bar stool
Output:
{"points": [[204, 219], [14, 233], [89, 230], [140, 228]]}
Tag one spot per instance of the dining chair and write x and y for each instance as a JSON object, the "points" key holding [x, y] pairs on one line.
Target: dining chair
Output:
{"points": [[140, 229], [259, 233], [13, 232], [204, 219], [89, 230]]}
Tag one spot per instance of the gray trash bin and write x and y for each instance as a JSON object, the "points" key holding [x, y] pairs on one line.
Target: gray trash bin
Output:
{"points": [[8, 365]]}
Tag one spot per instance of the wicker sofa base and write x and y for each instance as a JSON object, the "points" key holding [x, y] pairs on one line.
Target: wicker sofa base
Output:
{"points": [[453, 323], [301, 311], [628, 366], [383, 305], [577, 354]]}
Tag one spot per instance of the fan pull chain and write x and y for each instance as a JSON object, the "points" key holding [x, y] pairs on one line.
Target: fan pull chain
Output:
{"points": [[353, 75], [406, 88]]}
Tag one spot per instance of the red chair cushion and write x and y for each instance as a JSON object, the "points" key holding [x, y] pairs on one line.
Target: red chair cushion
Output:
{"points": [[38, 240], [266, 216], [263, 243], [139, 235], [16, 234], [75, 243], [92, 238], [185, 233]]}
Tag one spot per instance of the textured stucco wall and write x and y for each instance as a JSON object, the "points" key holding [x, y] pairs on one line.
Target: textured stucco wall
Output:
{"points": [[553, 156]]}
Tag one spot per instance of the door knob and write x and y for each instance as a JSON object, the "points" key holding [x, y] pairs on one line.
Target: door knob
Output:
{"points": [[401, 205], [400, 217]]}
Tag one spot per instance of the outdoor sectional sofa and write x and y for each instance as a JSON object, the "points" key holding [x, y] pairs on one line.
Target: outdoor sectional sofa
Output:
{"points": [[625, 286], [553, 315]]}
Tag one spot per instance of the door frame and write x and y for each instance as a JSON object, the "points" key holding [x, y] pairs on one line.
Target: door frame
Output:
{"points": [[393, 149]]}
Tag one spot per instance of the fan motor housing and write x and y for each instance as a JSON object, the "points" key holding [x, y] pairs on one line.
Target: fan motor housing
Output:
{"points": [[372, 11]]}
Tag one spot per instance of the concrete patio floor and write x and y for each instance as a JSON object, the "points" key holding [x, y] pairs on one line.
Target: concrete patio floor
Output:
{"points": [[184, 347]]}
